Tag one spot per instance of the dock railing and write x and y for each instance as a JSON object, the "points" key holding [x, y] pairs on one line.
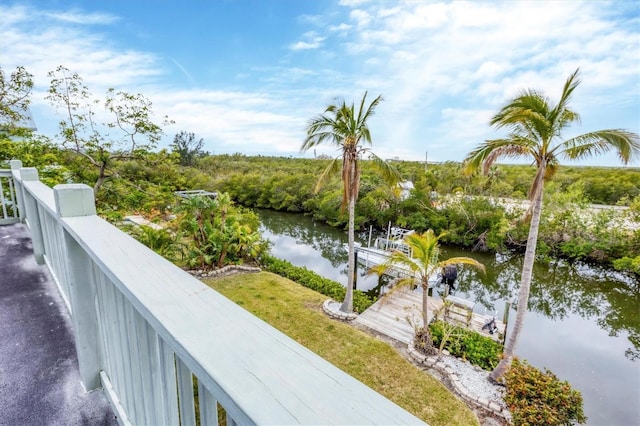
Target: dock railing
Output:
{"points": [[144, 329]]}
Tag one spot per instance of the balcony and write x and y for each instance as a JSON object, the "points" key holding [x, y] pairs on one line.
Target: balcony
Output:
{"points": [[143, 329]]}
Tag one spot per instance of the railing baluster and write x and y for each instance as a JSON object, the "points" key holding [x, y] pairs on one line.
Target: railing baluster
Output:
{"points": [[147, 364], [185, 394], [114, 327], [125, 354], [13, 197], [104, 322], [167, 383], [4, 206], [208, 406], [131, 334]]}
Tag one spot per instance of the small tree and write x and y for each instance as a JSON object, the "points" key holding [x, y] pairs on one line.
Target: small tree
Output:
{"points": [[186, 145], [15, 93], [131, 117]]}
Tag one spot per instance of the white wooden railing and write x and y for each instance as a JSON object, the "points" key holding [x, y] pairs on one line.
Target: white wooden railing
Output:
{"points": [[8, 203], [144, 329]]}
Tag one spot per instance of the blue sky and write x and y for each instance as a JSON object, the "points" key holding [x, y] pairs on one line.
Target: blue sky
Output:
{"points": [[246, 76]]}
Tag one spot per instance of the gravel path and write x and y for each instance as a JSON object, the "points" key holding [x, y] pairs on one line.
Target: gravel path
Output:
{"points": [[475, 380]]}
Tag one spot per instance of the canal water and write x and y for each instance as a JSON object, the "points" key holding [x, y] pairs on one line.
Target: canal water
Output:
{"points": [[583, 323]]}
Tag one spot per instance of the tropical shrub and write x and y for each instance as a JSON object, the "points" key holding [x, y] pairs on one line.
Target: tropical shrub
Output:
{"points": [[310, 279], [166, 243], [535, 397], [628, 264], [467, 344], [218, 232]]}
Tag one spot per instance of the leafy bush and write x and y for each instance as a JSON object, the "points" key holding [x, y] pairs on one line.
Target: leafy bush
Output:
{"points": [[474, 347], [311, 280], [628, 264], [539, 398]]}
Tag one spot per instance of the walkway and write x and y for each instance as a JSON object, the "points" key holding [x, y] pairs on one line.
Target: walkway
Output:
{"points": [[39, 378]]}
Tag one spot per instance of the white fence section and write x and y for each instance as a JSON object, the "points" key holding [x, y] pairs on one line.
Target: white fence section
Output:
{"points": [[145, 330], [8, 202]]}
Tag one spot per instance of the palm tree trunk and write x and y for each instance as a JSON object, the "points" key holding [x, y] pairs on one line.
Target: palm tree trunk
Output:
{"points": [[425, 305], [525, 285], [347, 305]]}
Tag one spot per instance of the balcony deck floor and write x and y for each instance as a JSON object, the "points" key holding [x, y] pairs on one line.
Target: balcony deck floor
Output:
{"points": [[39, 377]]}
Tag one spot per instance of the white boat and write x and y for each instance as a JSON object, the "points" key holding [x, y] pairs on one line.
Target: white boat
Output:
{"points": [[381, 249]]}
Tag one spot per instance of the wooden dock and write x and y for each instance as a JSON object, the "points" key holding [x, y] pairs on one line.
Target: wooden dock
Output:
{"points": [[396, 315]]}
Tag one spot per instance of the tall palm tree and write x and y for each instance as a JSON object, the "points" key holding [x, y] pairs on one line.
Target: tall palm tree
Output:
{"points": [[423, 263], [536, 127], [346, 128]]}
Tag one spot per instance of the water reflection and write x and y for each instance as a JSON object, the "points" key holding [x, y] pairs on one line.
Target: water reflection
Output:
{"points": [[558, 288], [583, 324], [328, 241]]}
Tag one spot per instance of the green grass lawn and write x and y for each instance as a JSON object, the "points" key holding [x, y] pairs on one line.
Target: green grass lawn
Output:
{"points": [[297, 312]]}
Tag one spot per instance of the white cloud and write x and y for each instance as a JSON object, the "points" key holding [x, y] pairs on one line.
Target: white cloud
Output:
{"points": [[443, 67], [304, 45], [339, 28], [352, 3], [311, 41], [76, 17], [360, 17], [485, 53]]}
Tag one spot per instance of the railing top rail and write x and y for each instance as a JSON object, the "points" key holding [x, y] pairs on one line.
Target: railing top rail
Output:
{"points": [[42, 193], [270, 378]]}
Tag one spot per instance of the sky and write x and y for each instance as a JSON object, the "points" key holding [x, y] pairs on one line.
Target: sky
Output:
{"points": [[248, 75]]}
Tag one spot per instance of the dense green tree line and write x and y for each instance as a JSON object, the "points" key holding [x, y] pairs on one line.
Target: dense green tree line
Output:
{"points": [[469, 219]]}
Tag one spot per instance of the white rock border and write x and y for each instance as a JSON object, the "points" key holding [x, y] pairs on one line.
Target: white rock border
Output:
{"points": [[432, 362], [332, 309], [229, 269]]}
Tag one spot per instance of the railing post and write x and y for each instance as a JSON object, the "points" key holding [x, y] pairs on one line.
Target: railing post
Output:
{"points": [[16, 165], [73, 200], [30, 174]]}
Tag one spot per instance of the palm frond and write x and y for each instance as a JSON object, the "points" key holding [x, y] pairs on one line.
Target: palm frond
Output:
{"points": [[361, 122], [567, 91], [530, 106], [390, 174], [322, 129], [625, 143], [488, 152], [332, 169]]}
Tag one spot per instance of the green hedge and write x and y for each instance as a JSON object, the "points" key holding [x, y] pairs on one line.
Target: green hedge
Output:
{"points": [[469, 345], [311, 280]]}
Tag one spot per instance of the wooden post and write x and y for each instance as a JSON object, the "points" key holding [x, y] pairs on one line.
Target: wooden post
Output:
{"points": [[32, 215], [355, 268], [75, 200]]}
